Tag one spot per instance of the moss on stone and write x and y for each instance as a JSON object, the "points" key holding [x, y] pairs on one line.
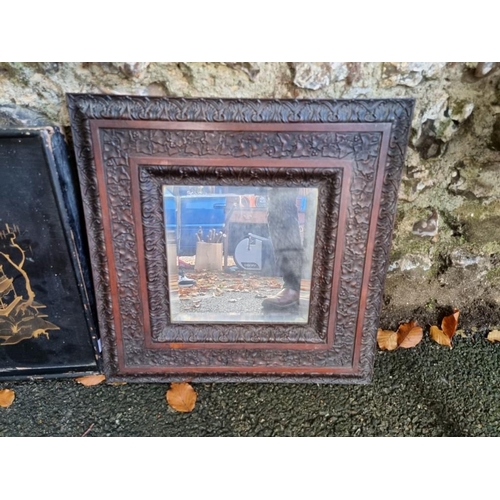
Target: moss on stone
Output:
{"points": [[493, 275], [457, 107], [491, 247], [472, 210]]}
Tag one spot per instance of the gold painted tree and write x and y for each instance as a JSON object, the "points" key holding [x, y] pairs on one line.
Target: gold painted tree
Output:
{"points": [[20, 317]]}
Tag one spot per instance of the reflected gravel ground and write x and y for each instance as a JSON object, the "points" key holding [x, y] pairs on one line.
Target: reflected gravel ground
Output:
{"points": [[426, 391], [236, 307], [218, 297]]}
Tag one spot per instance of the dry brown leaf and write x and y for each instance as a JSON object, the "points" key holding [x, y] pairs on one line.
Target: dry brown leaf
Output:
{"points": [[494, 336], [181, 397], [449, 323], [6, 397], [409, 334], [440, 337], [448, 329], [90, 380], [274, 284], [387, 340]]}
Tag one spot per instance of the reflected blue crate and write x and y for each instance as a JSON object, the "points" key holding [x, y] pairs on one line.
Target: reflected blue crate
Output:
{"points": [[205, 211]]}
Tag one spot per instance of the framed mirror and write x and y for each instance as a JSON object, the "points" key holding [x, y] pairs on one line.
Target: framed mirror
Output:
{"points": [[239, 240], [244, 254]]}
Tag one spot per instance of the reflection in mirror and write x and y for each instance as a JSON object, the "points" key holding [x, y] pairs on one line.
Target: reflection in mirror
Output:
{"points": [[241, 254]]}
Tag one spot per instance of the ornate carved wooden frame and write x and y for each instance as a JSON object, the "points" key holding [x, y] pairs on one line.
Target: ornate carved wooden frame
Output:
{"points": [[353, 151]]}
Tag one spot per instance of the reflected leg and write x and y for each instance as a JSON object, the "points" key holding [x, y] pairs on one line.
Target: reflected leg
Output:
{"points": [[285, 235]]}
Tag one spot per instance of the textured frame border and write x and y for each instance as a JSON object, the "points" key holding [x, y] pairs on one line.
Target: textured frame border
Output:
{"points": [[390, 117], [150, 237]]}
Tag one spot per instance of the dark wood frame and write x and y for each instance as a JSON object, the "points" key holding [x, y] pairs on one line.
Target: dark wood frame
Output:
{"points": [[127, 147]]}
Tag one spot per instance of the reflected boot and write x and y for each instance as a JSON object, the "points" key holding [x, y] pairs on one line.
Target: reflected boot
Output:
{"points": [[184, 280], [285, 299]]}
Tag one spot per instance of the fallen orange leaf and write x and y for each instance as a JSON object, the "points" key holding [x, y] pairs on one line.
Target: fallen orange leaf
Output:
{"points": [[181, 397], [448, 329], [6, 397], [439, 336], [450, 323], [409, 334], [494, 336], [387, 340], [90, 380]]}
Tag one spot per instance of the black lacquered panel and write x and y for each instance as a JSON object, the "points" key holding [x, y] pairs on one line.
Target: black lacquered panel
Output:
{"points": [[45, 316]]}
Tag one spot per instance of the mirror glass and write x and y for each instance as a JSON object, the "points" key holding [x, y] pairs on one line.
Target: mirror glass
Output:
{"points": [[241, 254]]}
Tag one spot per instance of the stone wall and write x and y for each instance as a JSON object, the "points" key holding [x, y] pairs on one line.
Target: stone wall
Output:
{"points": [[446, 248]]}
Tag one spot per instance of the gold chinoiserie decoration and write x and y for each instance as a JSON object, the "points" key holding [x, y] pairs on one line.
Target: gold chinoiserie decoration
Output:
{"points": [[20, 317]]}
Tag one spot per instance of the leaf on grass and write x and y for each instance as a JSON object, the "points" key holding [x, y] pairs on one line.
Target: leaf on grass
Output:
{"points": [[409, 334], [90, 380], [6, 397], [494, 336], [181, 397], [439, 336], [448, 329], [387, 340]]}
